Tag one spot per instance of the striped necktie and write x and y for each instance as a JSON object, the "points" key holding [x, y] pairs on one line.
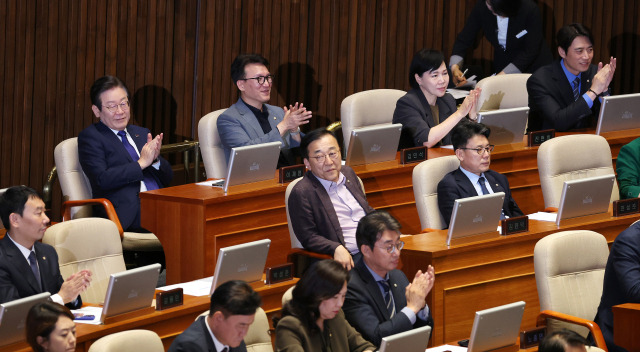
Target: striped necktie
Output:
{"points": [[576, 88]]}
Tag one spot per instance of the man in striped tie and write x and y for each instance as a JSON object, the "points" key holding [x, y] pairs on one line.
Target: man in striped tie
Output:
{"points": [[567, 93], [380, 301]]}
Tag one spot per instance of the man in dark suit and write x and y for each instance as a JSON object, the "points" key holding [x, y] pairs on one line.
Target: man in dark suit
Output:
{"points": [[251, 120], [380, 301], [326, 205], [27, 266], [564, 95], [473, 178], [621, 280], [233, 309], [120, 160]]}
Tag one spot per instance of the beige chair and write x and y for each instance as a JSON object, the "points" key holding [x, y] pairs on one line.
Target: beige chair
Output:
{"points": [[76, 191], [89, 243], [503, 92], [288, 294], [368, 108], [569, 269], [258, 338], [211, 148], [129, 341], [572, 157], [1, 224], [426, 177]]}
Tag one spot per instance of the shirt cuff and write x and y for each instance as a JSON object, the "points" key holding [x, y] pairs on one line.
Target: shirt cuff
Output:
{"points": [[410, 314], [455, 60], [511, 68], [57, 299], [588, 100], [424, 313], [156, 165]]}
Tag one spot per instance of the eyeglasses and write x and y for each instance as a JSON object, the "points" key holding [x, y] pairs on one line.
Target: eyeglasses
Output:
{"points": [[332, 156], [392, 247], [480, 150], [114, 107], [261, 79]]}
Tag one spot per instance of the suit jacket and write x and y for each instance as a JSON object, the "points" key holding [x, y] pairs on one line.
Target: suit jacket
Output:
{"points": [[628, 169], [456, 185], [112, 172], [313, 218], [551, 101], [238, 127], [417, 121], [17, 279], [293, 336], [365, 309], [527, 52], [198, 339], [621, 280]]}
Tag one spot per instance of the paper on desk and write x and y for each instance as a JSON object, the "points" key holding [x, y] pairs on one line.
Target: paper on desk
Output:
{"points": [[95, 311], [445, 348], [218, 183], [458, 93], [542, 216], [200, 287], [447, 146]]}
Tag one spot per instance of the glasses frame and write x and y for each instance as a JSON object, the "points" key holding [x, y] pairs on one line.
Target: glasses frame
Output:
{"points": [[262, 79], [124, 106], [393, 247], [481, 150], [323, 157]]}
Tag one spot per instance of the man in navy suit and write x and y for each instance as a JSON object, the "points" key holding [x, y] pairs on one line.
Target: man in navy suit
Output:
{"points": [[120, 160], [233, 309], [471, 144], [251, 120], [27, 266], [380, 300]]}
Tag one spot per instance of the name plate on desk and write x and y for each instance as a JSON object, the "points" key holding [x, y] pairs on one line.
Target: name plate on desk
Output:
{"points": [[531, 338], [514, 225], [279, 273], [626, 207], [290, 173], [413, 155], [538, 137], [169, 299]]}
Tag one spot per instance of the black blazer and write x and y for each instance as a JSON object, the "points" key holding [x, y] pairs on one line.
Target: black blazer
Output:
{"points": [[551, 101], [456, 185], [365, 309], [197, 339], [17, 279]]}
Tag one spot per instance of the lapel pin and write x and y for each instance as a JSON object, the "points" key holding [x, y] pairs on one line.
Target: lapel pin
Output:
{"points": [[395, 285], [44, 258], [137, 135]]}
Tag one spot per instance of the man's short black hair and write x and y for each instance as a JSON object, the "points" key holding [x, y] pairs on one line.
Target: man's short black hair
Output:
{"points": [[505, 8], [568, 33], [13, 201], [372, 225], [235, 297], [102, 85], [425, 60], [311, 137], [465, 130], [558, 341], [242, 60]]}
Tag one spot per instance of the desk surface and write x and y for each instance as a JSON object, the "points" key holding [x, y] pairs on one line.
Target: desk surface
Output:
{"points": [[626, 324]]}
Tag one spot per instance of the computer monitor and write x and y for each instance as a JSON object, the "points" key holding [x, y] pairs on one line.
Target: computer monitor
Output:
{"points": [[585, 196], [373, 144], [619, 112], [241, 262], [130, 290], [252, 163], [507, 125], [496, 327], [13, 317], [475, 215], [414, 340]]}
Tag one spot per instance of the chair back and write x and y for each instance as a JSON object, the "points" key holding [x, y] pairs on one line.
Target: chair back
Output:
{"points": [[288, 294], [426, 177], [73, 182], [211, 147], [129, 341], [1, 192], [572, 157], [258, 338], [89, 243], [569, 269], [367, 108], [503, 92]]}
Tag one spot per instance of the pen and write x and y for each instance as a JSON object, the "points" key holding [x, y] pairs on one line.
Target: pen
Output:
{"points": [[465, 72]]}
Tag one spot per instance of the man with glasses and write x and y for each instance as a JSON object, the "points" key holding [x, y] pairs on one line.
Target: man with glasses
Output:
{"points": [[471, 144], [251, 120], [327, 203], [380, 300], [120, 160]]}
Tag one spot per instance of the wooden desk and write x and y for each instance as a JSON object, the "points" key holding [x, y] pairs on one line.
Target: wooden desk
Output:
{"points": [[626, 324], [487, 271], [168, 324]]}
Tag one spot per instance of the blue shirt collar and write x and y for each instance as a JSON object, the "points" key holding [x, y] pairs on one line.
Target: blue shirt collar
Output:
{"points": [[570, 76]]}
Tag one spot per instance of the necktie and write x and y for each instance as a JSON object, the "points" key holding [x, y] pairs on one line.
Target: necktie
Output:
{"points": [[34, 267], [388, 297], [576, 88], [148, 180], [482, 186], [224, 349]]}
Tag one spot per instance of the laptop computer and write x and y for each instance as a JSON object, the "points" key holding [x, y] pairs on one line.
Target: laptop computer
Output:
{"points": [[13, 317], [496, 327], [373, 144], [252, 163], [507, 125], [130, 290], [585, 196], [475, 215], [241, 262], [414, 340], [619, 112]]}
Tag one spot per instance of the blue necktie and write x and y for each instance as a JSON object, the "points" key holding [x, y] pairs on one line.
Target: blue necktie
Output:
{"points": [[482, 186], [576, 88], [388, 297], [34, 267], [148, 180]]}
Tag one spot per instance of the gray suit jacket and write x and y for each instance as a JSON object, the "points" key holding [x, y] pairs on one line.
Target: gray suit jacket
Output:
{"points": [[238, 127]]}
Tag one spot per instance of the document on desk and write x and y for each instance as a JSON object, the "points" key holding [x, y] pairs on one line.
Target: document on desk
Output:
{"points": [[445, 348], [543, 216], [200, 287], [212, 183], [86, 311]]}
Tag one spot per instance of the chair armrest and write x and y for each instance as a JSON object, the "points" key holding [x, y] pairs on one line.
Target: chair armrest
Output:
{"points": [[108, 207], [306, 253], [428, 230], [592, 326], [551, 209]]}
